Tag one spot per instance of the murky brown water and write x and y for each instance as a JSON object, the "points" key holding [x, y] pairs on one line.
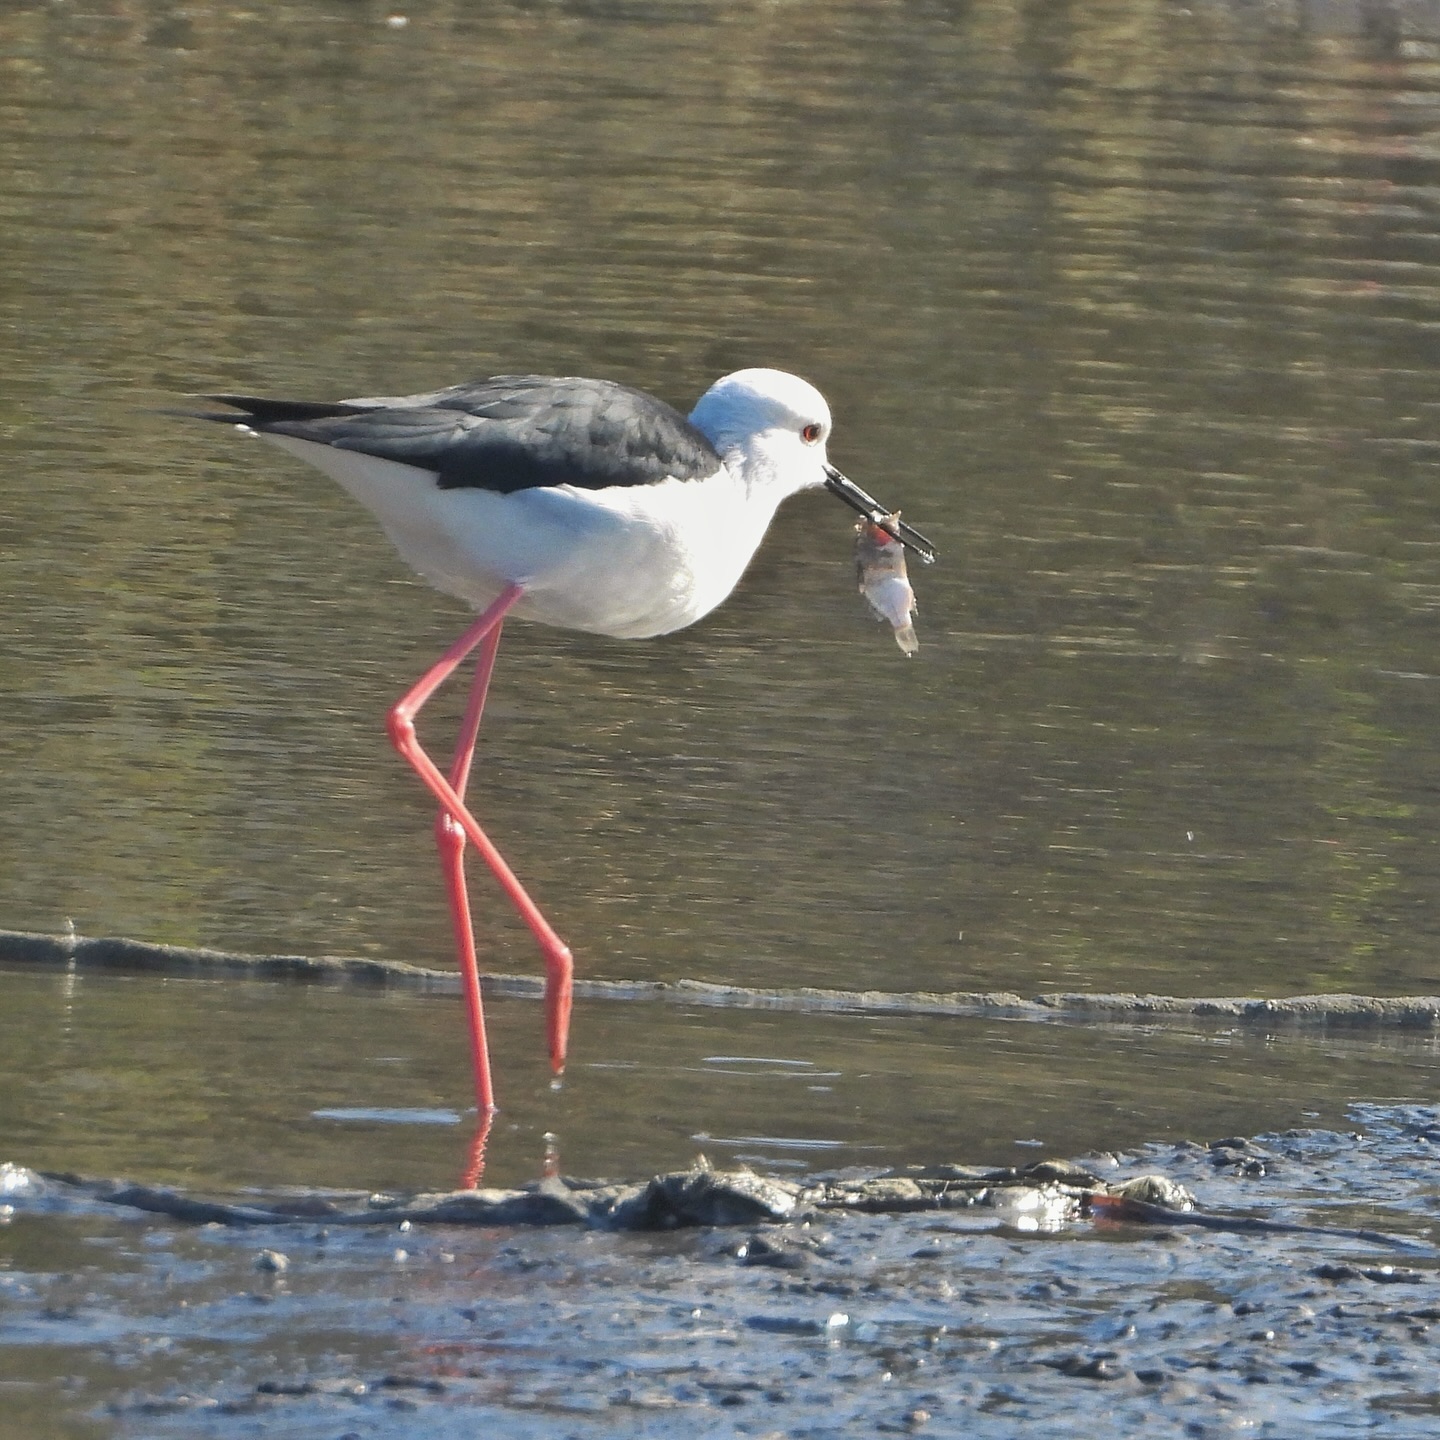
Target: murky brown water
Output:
{"points": [[1132, 308], [228, 1084]]}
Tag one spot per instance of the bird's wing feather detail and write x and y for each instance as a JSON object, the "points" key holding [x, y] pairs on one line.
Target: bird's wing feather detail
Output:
{"points": [[507, 433]]}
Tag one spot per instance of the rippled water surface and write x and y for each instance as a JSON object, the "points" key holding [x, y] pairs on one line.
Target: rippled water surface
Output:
{"points": [[1132, 307]]}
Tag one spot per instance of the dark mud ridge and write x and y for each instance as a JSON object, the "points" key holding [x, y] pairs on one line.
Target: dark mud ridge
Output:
{"points": [[1043, 1195], [1296, 1296], [1417, 1012]]}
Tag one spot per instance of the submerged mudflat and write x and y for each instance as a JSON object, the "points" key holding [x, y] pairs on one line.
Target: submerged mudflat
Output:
{"points": [[970, 1315]]}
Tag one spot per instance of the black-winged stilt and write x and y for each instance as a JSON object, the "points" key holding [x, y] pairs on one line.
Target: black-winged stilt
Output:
{"points": [[577, 503]]}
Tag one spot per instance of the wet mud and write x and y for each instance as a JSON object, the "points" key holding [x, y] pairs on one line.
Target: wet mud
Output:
{"points": [[1300, 1295]]}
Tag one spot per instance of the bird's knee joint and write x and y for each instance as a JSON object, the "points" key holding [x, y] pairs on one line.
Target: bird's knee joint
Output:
{"points": [[400, 727]]}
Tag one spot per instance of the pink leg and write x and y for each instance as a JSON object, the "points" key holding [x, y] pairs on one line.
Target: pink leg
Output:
{"points": [[450, 839], [475, 1158], [457, 825]]}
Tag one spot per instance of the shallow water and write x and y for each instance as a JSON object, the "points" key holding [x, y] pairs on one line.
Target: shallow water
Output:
{"points": [[106, 1078], [1131, 309]]}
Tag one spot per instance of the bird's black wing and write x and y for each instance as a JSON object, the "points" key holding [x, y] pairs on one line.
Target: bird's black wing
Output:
{"points": [[507, 433]]}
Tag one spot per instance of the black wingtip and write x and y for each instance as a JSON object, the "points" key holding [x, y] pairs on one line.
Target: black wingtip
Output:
{"points": [[259, 412], [221, 417]]}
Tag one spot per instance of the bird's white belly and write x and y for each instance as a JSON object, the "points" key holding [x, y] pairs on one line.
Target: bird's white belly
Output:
{"points": [[629, 562]]}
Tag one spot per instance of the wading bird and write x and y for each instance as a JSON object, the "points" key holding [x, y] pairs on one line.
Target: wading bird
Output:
{"points": [[578, 503]]}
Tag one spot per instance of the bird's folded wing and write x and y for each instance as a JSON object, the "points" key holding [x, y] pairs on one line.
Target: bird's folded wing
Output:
{"points": [[504, 434]]}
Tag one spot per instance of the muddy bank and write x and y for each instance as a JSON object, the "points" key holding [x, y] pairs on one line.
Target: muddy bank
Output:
{"points": [[1045, 1195], [1048, 1192], [975, 1320], [124, 956]]}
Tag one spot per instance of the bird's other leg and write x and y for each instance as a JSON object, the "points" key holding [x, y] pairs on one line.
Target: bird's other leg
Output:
{"points": [[450, 840], [559, 966]]}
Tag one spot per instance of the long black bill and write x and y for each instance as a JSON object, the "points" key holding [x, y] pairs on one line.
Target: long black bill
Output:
{"points": [[878, 515]]}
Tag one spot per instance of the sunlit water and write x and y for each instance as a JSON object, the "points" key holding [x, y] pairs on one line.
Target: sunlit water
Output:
{"points": [[1132, 308]]}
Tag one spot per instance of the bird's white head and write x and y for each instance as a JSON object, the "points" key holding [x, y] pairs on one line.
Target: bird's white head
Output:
{"points": [[775, 425], [771, 430]]}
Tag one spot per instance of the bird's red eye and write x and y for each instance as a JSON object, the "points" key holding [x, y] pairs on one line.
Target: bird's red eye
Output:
{"points": [[810, 434]]}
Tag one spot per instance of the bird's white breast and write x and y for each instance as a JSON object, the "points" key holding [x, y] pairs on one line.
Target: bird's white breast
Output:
{"points": [[630, 561]]}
